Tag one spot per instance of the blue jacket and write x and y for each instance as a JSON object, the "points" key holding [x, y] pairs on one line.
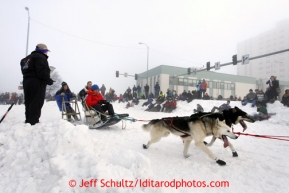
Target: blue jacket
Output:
{"points": [[138, 89], [169, 93], [150, 100], [67, 97], [225, 106], [157, 87], [198, 86]]}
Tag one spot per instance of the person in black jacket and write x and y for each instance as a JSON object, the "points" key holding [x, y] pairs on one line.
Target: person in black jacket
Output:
{"points": [[146, 88], [285, 98], [36, 75], [272, 92], [82, 94]]}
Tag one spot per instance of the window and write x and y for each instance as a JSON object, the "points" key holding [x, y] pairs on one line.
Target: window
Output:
{"points": [[181, 81], [191, 82], [221, 85], [232, 86], [210, 84], [185, 82], [215, 85]]}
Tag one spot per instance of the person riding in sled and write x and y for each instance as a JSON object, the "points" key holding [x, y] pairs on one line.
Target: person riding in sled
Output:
{"points": [[95, 99], [65, 94]]}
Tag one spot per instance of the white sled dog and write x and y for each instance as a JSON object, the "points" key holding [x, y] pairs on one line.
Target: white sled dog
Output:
{"points": [[191, 128]]}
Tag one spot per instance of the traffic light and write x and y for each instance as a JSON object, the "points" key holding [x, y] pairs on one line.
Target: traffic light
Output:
{"points": [[234, 58], [135, 76], [208, 66], [189, 71], [117, 74]]}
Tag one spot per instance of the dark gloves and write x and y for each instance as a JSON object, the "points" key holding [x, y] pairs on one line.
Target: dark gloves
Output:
{"points": [[49, 82], [103, 102]]}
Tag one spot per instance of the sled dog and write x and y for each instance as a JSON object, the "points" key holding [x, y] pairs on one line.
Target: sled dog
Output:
{"points": [[231, 116], [191, 128]]}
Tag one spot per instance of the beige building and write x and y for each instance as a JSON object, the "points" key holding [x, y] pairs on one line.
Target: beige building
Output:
{"points": [[267, 42], [218, 83]]}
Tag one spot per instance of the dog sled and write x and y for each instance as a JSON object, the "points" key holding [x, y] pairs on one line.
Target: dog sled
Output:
{"points": [[93, 118], [74, 112]]}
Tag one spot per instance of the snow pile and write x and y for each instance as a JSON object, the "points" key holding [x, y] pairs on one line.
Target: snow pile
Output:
{"points": [[47, 157]]}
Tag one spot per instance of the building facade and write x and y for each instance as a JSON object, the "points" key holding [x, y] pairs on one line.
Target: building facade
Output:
{"points": [[267, 42], [175, 78]]}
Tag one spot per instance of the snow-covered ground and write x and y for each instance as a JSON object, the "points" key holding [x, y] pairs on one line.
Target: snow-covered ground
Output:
{"points": [[47, 157]]}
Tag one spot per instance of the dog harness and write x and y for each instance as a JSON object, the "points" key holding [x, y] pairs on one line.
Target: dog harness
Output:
{"points": [[169, 122]]}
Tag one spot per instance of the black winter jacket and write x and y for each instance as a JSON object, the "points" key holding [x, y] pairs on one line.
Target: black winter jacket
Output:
{"points": [[36, 65]]}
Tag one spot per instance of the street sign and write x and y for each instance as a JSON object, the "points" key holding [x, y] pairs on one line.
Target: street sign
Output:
{"points": [[217, 66], [245, 59]]}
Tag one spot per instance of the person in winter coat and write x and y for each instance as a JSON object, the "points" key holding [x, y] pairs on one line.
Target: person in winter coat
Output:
{"points": [[285, 98], [198, 88], [272, 92], [134, 89], [250, 98], [157, 89], [151, 95], [199, 109], [203, 87], [129, 94], [135, 100], [65, 94], [225, 106], [184, 95], [261, 98], [120, 99], [149, 101], [189, 97], [82, 94], [36, 76], [134, 94], [95, 99], [169, 106], [103, 89], [262, 113], [146, 89], [139, 94], [206, 96], [161, 98], [169, 94]]}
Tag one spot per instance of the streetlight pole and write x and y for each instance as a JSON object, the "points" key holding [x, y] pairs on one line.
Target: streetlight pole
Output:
{"points": [[147, 60], [27, 9]]}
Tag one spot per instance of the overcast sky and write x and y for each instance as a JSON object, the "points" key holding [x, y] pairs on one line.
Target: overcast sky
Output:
{"points": [[91, 39]]}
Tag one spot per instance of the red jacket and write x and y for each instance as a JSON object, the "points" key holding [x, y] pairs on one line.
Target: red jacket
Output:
{"points": [[203, 86], [170, 104], [93, 98]]}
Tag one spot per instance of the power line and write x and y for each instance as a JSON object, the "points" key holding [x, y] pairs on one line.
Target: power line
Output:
{"points": [[105, 44], [84, 38]]}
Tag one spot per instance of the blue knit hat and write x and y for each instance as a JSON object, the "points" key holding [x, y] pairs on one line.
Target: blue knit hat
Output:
{"points": [[95, 87]]}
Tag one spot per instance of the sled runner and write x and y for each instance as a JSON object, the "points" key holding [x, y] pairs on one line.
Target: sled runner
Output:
{"points": [[110, 121], [93, 120]]}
